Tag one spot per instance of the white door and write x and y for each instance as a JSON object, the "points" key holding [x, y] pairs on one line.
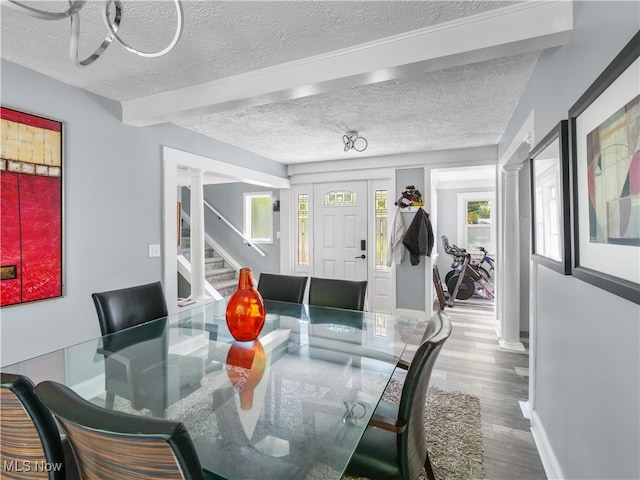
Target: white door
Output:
{"points": [[340, 230]]}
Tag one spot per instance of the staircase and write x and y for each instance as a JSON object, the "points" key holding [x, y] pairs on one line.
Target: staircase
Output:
{"points": [[218, 273]]}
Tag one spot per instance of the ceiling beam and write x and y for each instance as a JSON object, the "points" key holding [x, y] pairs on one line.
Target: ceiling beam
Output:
{"points": [[512, 30]]}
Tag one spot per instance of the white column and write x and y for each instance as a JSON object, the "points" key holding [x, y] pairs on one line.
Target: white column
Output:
{"points": [[197, 235], [510, 331], [498, 279]]}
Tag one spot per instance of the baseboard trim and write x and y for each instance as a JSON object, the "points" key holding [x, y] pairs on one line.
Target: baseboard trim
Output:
{"points": [[517, 347], [405, 312], [547, 456], [90, 388], [525, 407]]}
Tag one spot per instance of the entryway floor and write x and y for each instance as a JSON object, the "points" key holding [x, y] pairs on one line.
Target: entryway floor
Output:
{"points": [[472, 362]]}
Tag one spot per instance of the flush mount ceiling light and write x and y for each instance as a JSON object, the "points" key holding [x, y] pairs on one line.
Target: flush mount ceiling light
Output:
{"points": [[111, 21], [352, 141]]}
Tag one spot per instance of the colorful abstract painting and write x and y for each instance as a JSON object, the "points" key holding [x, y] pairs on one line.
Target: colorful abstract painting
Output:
{"points": [[613, 175], [30, 207]]}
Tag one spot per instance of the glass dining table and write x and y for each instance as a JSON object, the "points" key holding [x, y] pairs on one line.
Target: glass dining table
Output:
{"points": [[291, 405]]}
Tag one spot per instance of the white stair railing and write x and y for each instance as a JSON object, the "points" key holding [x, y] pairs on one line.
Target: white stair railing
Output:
{"points": [[234, 229]]}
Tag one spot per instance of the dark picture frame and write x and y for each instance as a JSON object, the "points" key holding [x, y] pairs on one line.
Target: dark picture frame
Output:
{"points": [[603, 132], [31, 217], [551, 200]]}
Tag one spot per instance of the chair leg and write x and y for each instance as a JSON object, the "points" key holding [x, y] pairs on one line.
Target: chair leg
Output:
{"points": [[109, 400], [428, 468]]}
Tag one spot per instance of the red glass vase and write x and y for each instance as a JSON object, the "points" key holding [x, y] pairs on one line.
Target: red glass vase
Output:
{"points": [[245, 311], [246, 362]]}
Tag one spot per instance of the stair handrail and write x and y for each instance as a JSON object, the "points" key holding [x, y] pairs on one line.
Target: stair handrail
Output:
{"points": [[234, 229]]}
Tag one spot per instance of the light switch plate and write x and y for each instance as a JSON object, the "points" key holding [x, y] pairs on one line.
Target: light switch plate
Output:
{"points": [[154, 250]]}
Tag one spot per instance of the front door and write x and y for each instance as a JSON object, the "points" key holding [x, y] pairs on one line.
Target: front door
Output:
{"points": [[340, 230]]}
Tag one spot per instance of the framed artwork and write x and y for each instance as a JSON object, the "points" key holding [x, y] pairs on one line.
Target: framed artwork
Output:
{"points": [[550, 200], [604, 129], [31, 213]]}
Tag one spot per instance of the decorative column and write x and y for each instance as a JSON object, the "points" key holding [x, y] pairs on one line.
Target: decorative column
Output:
{"points": [[510, 331], [197, 235]]}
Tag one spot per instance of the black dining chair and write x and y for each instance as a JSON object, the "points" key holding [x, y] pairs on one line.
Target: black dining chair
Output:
{"points": [[126, 307], [433, 326], [282, 288], [30, 434], [119, 446], [393, 445], [329, 292], [136, 360]]}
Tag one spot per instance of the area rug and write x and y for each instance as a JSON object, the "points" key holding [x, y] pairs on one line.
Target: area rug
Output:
{"points": [[452, 429], [453, 433]]}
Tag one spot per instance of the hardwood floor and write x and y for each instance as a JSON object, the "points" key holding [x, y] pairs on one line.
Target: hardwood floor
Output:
{"points": [[471, 361]]}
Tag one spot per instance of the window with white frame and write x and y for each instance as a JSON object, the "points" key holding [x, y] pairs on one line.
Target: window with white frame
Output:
{"points": [[258, 217], [475, 221], [380, 229], [303, 229]]}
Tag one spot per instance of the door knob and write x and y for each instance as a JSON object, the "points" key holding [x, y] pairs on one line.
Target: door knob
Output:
{"points": [[361, 256]]}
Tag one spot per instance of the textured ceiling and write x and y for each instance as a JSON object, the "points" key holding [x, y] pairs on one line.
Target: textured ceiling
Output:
{"points": [[455, 108], [463, 106]]}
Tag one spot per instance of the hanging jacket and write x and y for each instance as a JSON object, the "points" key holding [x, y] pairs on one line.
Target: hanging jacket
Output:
{"points": [[395, 254], [419, 237]]}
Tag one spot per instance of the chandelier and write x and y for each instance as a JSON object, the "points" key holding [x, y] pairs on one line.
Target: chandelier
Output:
{"points": [[112, 19], [353, 141]]}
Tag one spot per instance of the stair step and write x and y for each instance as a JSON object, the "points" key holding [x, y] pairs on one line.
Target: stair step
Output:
{"points": [[213, 263], [208, 253], [225, 287], [215, 275]]}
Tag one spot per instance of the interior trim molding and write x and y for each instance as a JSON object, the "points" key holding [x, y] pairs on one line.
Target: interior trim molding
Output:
{"points": [[545, 450]]}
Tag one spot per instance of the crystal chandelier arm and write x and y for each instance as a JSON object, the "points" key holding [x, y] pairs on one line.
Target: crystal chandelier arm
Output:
{"points": [[75, 38], [74, 8], [113, 30]]}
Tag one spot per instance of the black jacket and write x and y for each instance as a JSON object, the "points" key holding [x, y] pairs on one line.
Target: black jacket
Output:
{"points": [[419, 237]]}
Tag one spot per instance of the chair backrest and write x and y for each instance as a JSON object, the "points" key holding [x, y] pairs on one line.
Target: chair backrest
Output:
{"points": [[118, 446], [329, 292], [412, 448], [126, 307], [282, 288], [29, 433]]}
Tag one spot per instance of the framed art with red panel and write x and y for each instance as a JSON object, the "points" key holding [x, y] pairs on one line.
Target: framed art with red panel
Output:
{"points": [[31, 207]]}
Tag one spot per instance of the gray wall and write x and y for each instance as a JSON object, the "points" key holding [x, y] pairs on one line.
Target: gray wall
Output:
{"points": [[588, 340], [410, 279], [112, 206], [227, 199]]}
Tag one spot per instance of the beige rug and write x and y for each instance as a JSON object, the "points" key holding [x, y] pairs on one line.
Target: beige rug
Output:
{"points": [[452, 429], [453, 432]]}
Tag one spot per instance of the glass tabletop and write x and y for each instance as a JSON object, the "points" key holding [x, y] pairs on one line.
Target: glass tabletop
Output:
{"points": [[291, 405]]}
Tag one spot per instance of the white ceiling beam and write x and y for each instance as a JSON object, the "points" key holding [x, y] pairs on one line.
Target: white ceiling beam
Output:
{"points": [[180, 160], [520, 28]]}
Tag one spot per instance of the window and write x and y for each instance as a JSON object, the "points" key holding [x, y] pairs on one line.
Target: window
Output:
{"points": [[381, 237], [303, 229], [258, 218], [339, 198], [475, 221]]}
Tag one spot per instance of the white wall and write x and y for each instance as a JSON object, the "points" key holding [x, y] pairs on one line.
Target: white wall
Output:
{"points": [[587, 377], [112, 206]]}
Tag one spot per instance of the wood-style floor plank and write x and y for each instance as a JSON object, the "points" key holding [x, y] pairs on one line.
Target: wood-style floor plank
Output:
{"points": [[473, 362]]}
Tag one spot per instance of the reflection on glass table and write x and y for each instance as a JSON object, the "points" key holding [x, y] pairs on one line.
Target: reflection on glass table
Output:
{"points": [[291, 404]]}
